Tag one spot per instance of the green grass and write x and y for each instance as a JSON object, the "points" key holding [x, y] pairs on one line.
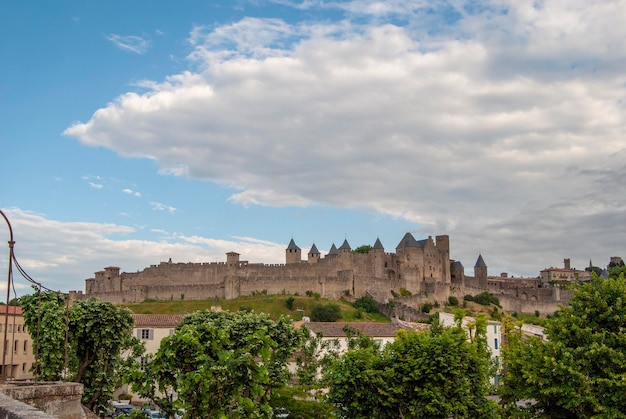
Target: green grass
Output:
{"points": [[274, 305]]}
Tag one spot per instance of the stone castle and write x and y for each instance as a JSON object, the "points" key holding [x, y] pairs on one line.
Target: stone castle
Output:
{"points": [[418, 271]]}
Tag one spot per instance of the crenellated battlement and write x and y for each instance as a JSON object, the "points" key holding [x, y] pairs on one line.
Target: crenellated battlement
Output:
{"points": [[423, 268]]}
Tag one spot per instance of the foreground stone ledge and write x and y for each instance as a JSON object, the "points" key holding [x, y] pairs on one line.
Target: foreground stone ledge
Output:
{"points": [[41, 400]]}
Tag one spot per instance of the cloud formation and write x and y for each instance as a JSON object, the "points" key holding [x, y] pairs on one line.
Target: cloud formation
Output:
{"points": [[60, 255], [500, 123], [130, 43]]}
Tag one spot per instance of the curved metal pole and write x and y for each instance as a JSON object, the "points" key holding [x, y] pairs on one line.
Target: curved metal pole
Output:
{"points": [[6, 316]]}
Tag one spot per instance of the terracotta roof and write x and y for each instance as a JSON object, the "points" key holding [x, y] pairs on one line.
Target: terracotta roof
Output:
{"points": [[11, 309], [335, 329], [157, 320]]}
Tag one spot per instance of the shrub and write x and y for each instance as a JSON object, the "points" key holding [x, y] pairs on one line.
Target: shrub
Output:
{"points": [[289, 302], [426, 307], [468, 298], [309, 293], [395, 294], [484, 298], [453, 301], [537, 313], [326, 313], [405, 293], [367, 304]]}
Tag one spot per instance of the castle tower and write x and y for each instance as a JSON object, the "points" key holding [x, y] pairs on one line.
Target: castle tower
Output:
{"points": [[314, 254], [232, 259], [333, 251], [293, 254], [480, 272], [442, 244], [345, 247], [378, 253]]}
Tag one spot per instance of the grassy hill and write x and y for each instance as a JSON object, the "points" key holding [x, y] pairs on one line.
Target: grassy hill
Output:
{"points": [[274, 305]]}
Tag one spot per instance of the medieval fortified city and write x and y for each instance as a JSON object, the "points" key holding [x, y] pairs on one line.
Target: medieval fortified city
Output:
{"points": [[421, 267]]}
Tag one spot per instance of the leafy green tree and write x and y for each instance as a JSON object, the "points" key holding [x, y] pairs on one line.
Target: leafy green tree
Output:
{"points": [[100, 350], [363, 249], [326, 313], [368, 304], [435, 374], [579, 371], [220, 365]]}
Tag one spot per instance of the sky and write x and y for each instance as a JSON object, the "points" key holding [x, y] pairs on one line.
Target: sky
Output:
{"points": [[138, 131]]}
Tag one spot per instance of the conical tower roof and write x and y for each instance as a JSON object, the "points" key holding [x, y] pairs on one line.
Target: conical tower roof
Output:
{"points": [[345, 245], [314, 250], [480, 263], [292, 246], [333, 250], [407, 241], [378, 245]]}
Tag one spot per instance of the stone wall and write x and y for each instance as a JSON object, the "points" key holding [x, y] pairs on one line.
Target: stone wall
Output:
{"points": [[41, 400]]}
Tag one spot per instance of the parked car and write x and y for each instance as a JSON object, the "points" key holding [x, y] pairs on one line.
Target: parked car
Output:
{"points": [[281, 412], [115, 409], [157, 415]]}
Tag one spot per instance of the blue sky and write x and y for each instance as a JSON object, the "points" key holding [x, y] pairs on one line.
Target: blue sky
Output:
{"points": [[134, 132]]}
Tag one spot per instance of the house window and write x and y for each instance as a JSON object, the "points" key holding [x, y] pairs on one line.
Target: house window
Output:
{"points": [[15, 346], [495, 343], [333, 344], [495, 328], [25, 347], [24, 367], [144, 361], [145, 334]]}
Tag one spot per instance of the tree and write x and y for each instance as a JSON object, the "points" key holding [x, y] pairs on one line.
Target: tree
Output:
{"points": [[579, 371], [363, 249], [434, 374], [98, 334], [368, 304], [326, 313], [220, 365]]}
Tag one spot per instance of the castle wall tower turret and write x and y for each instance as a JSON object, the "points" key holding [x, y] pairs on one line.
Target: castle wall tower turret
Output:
{"points": [[480, 272], [443, 245], [293, 254], [314, 254], [378, 253], [232, 259]]}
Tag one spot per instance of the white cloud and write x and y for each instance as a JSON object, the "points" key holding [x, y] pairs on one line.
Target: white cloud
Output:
{"points": [[157, 206], [131, 192], [490, 121], [130, 43], [62, 255], [96, 185]]}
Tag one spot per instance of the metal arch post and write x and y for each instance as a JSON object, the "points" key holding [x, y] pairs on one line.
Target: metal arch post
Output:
{"points": [[6, 316]]}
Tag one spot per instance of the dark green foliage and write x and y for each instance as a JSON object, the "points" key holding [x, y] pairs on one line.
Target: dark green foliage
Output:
{"points": [[363, 249], [579, 371], [453, 301], [367, 304], [484, 298], [405, 293], [426, 307], [326, 313], [98, 334], [221, 364], [434, 374], [309, 293], [289, 302]]}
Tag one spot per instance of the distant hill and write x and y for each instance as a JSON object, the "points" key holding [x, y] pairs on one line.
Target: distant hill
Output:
{"points": [[274, 305]]}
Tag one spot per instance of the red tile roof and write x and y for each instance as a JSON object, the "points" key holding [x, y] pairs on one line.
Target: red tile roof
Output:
{"points": [[157, 320], [11, 309], [335, 329]]}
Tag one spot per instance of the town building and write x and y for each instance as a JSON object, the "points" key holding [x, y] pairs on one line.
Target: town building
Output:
{"points": [[17, 350]]}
